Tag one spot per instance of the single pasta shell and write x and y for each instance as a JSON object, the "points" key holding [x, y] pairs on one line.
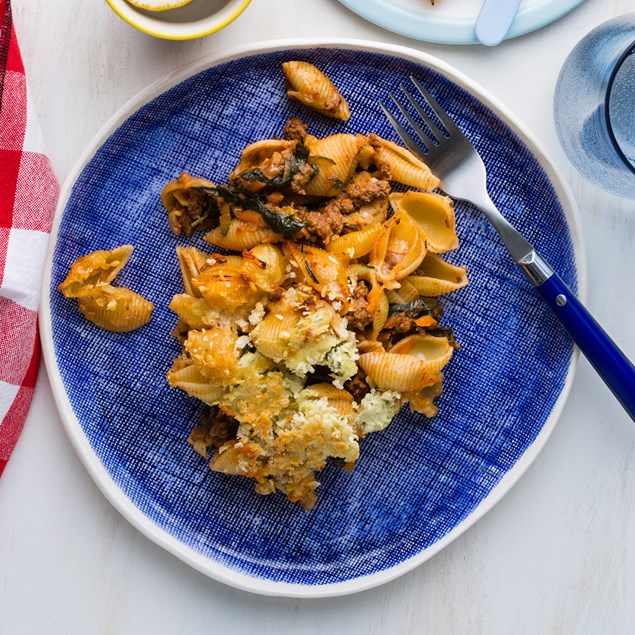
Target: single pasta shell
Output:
{"points": [[404, 167], [413, 258], [355, 244], [187, 377], [94, 270], [256, 153], [170, 194], [227, 294], [399, 250], [435, 352], [435, 277], [314, 89], [392, 371], [241, 235], [342, 150], [116, 309], [188, 206], [272, 335], [435, 215]]}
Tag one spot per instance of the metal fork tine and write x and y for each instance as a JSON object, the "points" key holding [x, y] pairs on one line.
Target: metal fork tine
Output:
{"points": [[444, 118], [424, 136], [434, 129], [410, 143]]}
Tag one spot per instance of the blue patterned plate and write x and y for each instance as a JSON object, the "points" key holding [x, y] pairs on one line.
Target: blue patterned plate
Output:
{"points": [[452, 22], [418, 484]]}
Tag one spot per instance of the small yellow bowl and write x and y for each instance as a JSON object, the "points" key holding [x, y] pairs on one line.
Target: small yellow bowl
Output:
{"points": [[196, 19]]}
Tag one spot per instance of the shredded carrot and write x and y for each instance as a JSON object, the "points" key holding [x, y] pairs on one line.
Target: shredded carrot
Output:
{"points": [[373, 298], [426, 320]]}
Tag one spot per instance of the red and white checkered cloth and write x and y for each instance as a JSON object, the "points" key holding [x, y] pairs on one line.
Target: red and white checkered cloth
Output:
{"points": [[28, 192]]}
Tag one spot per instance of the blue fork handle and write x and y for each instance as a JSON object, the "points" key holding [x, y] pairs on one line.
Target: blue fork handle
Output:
{"points": [[608, 360]]}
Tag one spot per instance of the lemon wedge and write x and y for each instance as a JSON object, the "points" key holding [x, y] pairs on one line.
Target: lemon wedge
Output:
{"points": [[158, 5]]}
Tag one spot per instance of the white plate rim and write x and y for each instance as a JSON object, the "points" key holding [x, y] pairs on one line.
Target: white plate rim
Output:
{"points": [[445, 30], [79, 441]]}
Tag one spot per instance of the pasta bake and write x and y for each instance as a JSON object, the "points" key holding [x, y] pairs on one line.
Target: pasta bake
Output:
{"points": [[312, 318]]}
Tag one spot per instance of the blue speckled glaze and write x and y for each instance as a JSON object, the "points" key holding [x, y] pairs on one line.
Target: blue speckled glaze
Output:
{"points": [[416, 480]]}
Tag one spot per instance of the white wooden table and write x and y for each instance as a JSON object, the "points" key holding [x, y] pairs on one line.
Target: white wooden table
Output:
{"points": [[557, 555]]}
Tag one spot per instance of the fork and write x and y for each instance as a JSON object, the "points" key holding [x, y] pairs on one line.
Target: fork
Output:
{"points": [[452, 158]]}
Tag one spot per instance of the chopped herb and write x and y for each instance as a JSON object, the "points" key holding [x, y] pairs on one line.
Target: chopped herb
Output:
{"points": [[211, 211], [200, 219]]}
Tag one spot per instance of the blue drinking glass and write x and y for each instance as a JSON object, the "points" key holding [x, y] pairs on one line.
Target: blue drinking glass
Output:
{"points": [[594, 106]]}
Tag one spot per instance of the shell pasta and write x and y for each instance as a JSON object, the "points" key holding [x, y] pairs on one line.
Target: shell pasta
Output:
{"points": [[312, 316], [112, 308]]}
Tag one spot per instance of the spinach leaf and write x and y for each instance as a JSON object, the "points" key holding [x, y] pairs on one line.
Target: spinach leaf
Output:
{"points": [[281, 223], [239, 199], [219, 191]]}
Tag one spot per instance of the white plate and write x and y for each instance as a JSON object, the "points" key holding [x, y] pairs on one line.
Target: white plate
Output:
{"points": [[452, 21]]}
